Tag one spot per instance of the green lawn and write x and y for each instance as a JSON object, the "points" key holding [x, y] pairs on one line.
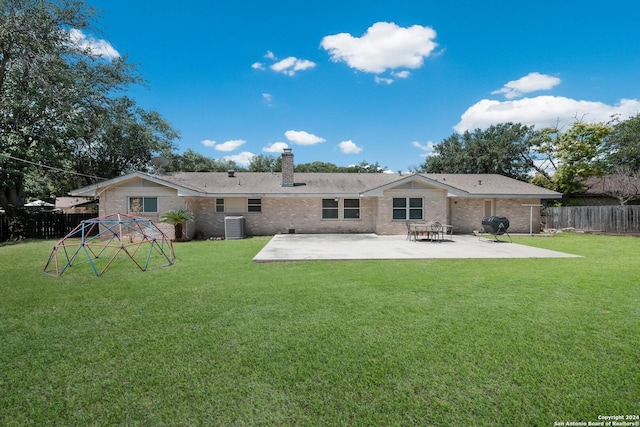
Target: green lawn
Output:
{"points": [[218, 340]]}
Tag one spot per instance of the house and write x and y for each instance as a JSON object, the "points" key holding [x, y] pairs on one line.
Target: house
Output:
{"points": [[72, 205], [608, 190], [285, 202]]}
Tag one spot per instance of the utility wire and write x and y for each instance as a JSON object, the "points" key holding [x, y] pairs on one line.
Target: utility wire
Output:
{"points": [[51, 167]]}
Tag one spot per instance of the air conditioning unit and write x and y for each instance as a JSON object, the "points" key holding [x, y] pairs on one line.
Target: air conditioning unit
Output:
{"points": [[234, 227]]}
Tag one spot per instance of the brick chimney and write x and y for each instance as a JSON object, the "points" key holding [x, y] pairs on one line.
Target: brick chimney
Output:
{"points": [[287, 168]]}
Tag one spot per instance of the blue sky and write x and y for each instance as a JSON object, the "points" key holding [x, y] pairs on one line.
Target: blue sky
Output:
{"points": [[381, 81]]}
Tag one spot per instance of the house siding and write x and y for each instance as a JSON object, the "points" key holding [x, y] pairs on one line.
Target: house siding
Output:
{"points": [[434, 204], [303, 215], [116, 200], [467, 214], [279, 215]]}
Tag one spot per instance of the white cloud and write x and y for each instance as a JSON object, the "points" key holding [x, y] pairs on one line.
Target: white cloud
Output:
{"points": [[532, 82], [225, 146], [394, 75], [230, 145], [267, 98], [291, 65], [401, 74], [384, 46], [303, 138], [383, 80], [427, 148], [349, 147], [96, 46], [542, 111], [288, 66], [243, 158], [276, 147]]}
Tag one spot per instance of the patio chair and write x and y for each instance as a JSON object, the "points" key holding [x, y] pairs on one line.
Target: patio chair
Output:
{"points": [[437, 232], [409, 231]]}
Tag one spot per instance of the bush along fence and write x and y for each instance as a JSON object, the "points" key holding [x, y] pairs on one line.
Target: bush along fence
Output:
{"points": [[39, 225], [609, 219]]}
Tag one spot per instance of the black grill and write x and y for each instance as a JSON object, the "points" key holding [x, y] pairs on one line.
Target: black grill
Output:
{"points": [[495, 225]]}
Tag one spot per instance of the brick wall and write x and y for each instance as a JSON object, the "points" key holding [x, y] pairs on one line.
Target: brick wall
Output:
{"points": [[116, 200], [304, 215], [281, 214], [435, 209], [467, 214]]}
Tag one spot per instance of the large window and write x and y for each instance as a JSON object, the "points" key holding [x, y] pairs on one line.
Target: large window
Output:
{"points": [[143, 204], [254, 205], [329, 208], [407, 208], [351, 209]]}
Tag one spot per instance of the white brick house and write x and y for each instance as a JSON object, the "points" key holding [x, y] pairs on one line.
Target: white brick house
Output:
{"points": [[285, 202]]}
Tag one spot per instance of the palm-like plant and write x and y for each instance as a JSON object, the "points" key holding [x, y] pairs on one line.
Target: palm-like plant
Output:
{"points": [[177, 217]]}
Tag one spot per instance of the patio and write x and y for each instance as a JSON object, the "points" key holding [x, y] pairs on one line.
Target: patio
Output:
{"points": [[307, 247]]}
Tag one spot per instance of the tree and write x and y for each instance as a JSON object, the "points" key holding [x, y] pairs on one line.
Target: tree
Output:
{"points": [[623, 145], [623, 184], [326, 167], [120, 139], [59, 105], [192, 161], [177, 218], [503, 149], [566, 159], [265, 163], [317, 167], [366, 167]]}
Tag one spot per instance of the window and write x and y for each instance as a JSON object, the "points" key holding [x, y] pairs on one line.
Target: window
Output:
{"points": [[254, 205], [406, 208], [219, 205], [351, 209], [329, 208], [143, 204]]}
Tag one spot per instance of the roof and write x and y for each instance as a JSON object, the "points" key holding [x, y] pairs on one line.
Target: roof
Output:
{"points": [[486, 185], [71, 202], [611, 184], [263, 184]]}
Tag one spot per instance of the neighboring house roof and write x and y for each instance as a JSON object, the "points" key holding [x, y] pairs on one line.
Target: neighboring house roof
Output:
{"points": [[261, 184], [72, 202], [611, 184]]}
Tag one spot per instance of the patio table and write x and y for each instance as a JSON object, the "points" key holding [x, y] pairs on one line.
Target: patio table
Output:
{"points": [[419, 228], [425, 229]]}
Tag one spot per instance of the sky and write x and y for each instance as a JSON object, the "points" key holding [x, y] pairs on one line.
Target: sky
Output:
{"points": [[376, 81]]}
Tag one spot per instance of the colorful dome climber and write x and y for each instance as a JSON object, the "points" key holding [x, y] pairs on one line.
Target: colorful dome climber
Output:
{"points": [[102, 241]]}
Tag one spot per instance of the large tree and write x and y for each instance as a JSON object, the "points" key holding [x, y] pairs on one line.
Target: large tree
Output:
{"points": [[192, 161], [623, 145], [60, 111], [566, 159], [503, 149]]}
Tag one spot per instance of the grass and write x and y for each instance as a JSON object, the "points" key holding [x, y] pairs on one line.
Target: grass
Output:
{"points": [[219, 340]]}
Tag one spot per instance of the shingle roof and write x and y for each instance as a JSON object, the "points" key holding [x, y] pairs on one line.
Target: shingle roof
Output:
{"points": [[491, 184], [271, 183], [259, 184]]}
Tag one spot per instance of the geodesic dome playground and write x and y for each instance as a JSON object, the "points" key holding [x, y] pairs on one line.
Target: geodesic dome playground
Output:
{"points": [[117, 239]]}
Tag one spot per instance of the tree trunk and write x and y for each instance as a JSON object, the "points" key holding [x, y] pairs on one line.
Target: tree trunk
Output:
{"points": [[12, 201], [178, 232]]}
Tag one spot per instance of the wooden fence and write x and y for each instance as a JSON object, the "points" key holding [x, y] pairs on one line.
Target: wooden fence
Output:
{"points": [[610, 219], [43, 225]]}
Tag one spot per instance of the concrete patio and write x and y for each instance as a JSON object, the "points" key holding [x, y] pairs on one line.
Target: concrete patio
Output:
{"points": [[306, 247]]}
